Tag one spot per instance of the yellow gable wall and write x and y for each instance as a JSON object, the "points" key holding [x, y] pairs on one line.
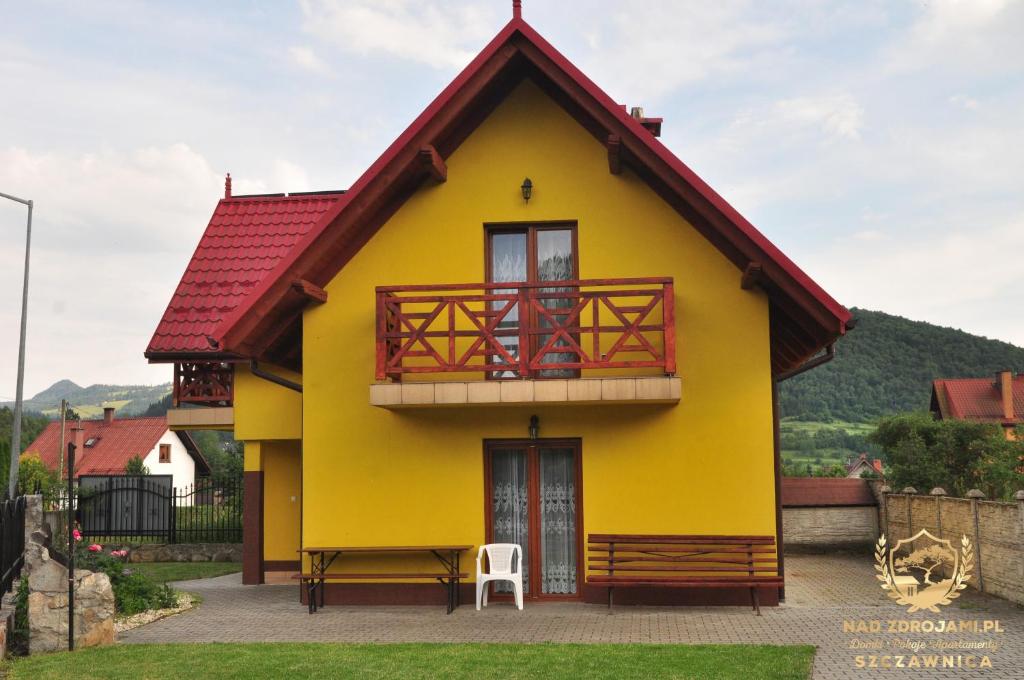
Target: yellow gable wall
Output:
{"points": [[265, 410], [373, 476]]}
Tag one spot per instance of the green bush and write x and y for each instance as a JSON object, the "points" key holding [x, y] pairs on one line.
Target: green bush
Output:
{"points": [[133, 592]]}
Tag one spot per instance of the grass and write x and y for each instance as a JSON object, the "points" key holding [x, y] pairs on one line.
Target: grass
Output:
{"points": [[163, 572], [408, 661], [809, 426]]}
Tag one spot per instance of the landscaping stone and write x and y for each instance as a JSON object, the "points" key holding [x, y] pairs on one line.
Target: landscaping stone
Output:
{"points": [[48, 594]]}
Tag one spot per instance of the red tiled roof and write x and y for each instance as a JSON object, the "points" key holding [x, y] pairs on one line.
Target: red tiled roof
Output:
{"points": [[518, 50], [804, 492], [116, 443], [246, 238], [976, 399]]}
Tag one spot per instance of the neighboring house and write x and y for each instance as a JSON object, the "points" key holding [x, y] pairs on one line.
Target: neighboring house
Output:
{"points": [[983, 400], [450, 353], [858, 467], [104, 447]]}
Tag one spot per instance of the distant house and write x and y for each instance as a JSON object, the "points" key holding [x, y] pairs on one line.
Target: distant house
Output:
{"points": [[104, 447], [858, 467], [981, 400]]}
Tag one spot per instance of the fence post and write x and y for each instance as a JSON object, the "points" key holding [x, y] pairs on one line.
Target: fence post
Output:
{"points": [[172, 520], [1019, 497], [884, 492], [938, 492], [908, 492], [974, 495]]}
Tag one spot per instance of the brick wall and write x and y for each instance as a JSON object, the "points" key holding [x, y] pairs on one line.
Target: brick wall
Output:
{"points": [[830, 528], [995, 529]]}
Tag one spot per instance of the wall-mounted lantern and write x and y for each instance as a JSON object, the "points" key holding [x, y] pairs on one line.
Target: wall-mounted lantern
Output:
{"points": [[534, 427], [527, 188]]}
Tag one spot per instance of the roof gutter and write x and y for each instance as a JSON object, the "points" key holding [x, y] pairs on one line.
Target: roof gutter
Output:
{"points": [[254, 367], [829, 355]]}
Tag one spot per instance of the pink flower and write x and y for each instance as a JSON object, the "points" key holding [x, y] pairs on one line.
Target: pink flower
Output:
{"points": [[77, 534], [118, 553], [95, 547]]}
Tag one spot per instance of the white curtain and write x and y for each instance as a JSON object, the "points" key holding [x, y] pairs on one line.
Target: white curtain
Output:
{"points": [[558, 521], [511, 506]]}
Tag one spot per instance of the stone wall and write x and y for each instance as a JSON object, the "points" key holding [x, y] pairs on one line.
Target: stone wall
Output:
{"points": [[995, 529], [830, 528], [48, 593], [185, 552]]}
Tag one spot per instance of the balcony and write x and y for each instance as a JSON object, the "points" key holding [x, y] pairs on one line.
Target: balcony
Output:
{"points": [[578, 341], [202, 383]]}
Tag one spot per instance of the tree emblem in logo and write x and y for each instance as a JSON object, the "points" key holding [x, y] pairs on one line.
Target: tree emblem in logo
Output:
{"points": [[923, 577]]}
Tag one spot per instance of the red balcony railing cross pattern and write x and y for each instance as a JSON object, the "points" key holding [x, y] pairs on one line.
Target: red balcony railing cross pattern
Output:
{"points": [[204, 382], [523, 330]]}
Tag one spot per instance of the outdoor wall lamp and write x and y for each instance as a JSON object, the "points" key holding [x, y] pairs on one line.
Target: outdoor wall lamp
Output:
{"points": [[534, 427], [527, 188]]}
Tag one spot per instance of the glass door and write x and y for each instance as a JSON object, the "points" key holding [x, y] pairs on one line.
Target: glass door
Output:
{"points": [[533, 254], [533, 499]]}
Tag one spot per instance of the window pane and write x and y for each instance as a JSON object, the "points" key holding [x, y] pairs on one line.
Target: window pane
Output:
{"points": [[555, 263], [510, 508], [508, 263], [558, 520]]}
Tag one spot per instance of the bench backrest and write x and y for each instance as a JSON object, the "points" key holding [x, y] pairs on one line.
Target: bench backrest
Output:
{"points": [[681, 556]]}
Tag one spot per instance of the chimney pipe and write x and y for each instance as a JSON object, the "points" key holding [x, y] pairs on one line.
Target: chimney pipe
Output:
{"points": [[108, 415], [1005, 383], [79, 440]]}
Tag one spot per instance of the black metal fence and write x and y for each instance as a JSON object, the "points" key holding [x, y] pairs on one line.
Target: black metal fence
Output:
{"points": [[149, 509], [12, 541]]}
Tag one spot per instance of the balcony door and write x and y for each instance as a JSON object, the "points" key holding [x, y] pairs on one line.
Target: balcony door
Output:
{"points": [[533, 499], [533, 254]]}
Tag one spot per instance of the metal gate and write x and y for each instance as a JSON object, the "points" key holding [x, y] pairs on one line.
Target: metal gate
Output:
{"points": [[125, 506]]}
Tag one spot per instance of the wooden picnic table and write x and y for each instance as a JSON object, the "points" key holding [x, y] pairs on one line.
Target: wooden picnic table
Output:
{"points": [[321, 559]]}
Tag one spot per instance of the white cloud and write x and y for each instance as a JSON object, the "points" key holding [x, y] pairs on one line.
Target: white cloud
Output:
{"points": [[964, 101], [306, 58], [838, 115], [441, 35]]}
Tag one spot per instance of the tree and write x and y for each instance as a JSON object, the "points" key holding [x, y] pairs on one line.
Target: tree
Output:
{"points": [[135, 466], [34, 476], [926, 560]]}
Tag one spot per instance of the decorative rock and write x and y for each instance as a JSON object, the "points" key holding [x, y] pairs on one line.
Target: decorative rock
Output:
{"points": [[1019, 496], [975, 493], [909, 490], [938, 491]]}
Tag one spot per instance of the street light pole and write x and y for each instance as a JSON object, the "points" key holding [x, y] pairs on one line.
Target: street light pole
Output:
{"points": [[16, 425]]}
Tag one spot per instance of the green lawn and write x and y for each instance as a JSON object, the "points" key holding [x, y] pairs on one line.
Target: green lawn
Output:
{"points": [[470, 661], [162, 572]]}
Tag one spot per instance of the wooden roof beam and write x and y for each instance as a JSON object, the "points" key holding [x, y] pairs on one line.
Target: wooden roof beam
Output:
{"points": [[433, 163], [310, 291], [614, 145], [751, 275]]}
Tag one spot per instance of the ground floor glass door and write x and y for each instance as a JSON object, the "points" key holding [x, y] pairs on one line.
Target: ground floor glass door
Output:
{"points": [[533, 497]]}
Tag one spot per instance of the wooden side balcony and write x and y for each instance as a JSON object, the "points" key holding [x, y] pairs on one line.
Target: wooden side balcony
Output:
{"points": [[205, 383], [555, 330]]}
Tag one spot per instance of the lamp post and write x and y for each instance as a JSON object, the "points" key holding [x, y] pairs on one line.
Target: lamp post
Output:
{"points": [[16, 425]]}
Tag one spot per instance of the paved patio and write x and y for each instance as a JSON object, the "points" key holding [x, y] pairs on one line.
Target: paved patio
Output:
{"points": [[822, 591]]}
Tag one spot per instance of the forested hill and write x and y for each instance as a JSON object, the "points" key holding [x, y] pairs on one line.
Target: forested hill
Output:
{"points": [[886, 364]]}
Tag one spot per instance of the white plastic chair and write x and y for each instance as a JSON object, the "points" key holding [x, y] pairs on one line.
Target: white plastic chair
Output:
{"points": [[500, 558]]}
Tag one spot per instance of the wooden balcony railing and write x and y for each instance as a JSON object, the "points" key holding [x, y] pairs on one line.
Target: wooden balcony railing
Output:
{"points": [[526, 330], [211, 383]]}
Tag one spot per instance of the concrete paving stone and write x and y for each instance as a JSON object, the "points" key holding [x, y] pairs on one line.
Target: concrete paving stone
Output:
{"points": [[822, 591]]}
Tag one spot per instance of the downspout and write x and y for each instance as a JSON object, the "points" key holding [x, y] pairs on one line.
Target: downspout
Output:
{"points": [[254, 367]]}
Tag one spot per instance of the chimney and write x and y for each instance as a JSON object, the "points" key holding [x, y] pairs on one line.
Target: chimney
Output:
{"points": [[79, 440], [652, 125], [877, 464], [108, 415], [1004, 380]]}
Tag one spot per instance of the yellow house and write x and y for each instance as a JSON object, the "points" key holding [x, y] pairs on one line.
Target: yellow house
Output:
{"points": [[527, 321]]}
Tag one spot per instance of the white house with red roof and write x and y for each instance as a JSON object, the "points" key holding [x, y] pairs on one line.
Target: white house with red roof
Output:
{"points": [[104, 447]]}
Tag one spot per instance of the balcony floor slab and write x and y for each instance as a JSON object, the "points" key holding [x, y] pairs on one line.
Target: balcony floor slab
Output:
{"points": [[618, 390]]}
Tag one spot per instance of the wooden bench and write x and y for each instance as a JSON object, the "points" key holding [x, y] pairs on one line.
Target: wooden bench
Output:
{"points": [[683, 561]]}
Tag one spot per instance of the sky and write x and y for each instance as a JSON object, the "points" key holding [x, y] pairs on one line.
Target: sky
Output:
{"points": [[879, 144]]}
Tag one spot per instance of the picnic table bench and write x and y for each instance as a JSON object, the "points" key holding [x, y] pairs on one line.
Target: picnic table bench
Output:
{"points": [[321, 559], [683, 561]]}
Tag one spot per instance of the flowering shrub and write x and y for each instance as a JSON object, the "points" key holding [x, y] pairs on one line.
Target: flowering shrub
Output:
{"points": [[133, 592]]}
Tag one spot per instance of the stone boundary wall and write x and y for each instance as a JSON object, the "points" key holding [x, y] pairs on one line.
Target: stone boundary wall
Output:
{"points": [[995, 529], [830, 528], [184, 552]]}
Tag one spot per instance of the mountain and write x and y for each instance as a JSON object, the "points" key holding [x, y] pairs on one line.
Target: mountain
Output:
{"points": [[886, 364], [88, 402]]}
